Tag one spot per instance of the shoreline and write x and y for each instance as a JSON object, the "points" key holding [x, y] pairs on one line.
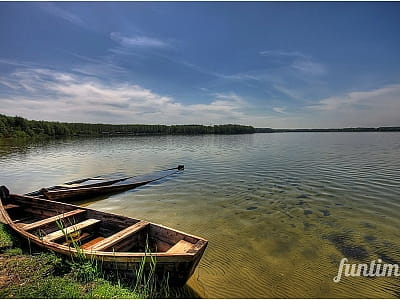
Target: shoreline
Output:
{"points": [[346, 129]]}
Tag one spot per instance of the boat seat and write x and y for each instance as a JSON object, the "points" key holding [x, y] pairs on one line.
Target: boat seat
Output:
{"points": [[181, 247], [11, 206], [92, 242], [52, 219], [68, 185], [112, 240], [77, 238], [69, 230]]}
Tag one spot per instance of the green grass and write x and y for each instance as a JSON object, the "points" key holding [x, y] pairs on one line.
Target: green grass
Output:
{"points": [[6, 238], [46, 275], [12, 251], [104, 289], [145, 285]]}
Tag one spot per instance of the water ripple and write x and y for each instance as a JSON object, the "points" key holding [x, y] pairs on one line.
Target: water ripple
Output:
{"points": [[279, 210]]}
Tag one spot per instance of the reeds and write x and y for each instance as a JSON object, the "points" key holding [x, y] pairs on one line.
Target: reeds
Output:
{"points": [[145, 282]]}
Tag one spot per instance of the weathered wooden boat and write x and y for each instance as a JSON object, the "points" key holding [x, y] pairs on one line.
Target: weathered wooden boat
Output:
{"points": [[115, 241], [101, 185]]}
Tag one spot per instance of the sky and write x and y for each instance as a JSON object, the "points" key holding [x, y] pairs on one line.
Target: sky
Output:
{"points": [[265, 64]]}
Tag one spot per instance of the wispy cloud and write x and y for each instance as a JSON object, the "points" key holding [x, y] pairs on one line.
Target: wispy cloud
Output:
{"points": [[292, 93], [309, 67], [51, 95], [138, 41], [297, 61], [41, 93], [102, 67], [278, 53], [385, 96], [376, 107], [281, 110], [59, 12], [17, 63]]}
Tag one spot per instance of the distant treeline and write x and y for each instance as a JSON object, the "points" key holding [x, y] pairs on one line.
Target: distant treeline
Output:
{"points": [[355, 129], [20, 127]]}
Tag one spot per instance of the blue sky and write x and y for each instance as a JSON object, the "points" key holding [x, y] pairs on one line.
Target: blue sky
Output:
{"points": [[266, 64]]}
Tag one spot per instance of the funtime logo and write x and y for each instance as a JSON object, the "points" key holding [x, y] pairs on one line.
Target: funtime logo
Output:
{"points": [[373, 269]]}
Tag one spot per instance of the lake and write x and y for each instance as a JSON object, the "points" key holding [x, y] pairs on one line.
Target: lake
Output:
{"points": [[279, 210]]}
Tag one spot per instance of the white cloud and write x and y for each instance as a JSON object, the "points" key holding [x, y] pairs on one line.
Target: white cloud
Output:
{"points": [[388, 95], [283, 75], [287, 91], [17, 63], [281, 110], [297, 61], [138, 41], [50, 95], [378, 107], [283, 53], [309, 67], [44, 94], [57, 11]]}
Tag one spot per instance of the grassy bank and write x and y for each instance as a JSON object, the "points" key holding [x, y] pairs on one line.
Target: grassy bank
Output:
{"points": [[27, 272]]}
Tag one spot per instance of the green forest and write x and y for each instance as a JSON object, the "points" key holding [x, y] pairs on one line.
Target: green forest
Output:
{"points": [[18, 127]]}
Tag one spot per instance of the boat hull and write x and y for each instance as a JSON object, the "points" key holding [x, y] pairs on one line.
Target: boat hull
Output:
{"points": [[79, 193], [178, 269], [126, 237], [96, 186]]}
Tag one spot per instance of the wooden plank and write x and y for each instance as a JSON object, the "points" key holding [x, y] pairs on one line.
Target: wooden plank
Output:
{"points": [[53, 219], [180, 247], [169, 235], [119, 236], [92, 242], [68, 230], [10, 206], [68, 185], [76, 238], [23, 221], [201, 244]]}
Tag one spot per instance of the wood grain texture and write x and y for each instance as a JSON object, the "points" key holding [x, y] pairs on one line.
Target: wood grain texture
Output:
{"points": [[181, 247], [126, 236], [69, 230], [52, 219], [119, 236]]}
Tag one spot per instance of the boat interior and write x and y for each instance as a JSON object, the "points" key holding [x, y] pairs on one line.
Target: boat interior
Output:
{"points": [[93, 230]]}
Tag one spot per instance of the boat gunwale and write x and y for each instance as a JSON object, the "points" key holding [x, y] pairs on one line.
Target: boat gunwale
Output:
{"points": [[70, 191], [104, 255], [64, 192]]}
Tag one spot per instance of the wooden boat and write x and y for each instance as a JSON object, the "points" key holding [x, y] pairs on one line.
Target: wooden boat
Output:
{"points": [[101, 185], [115, 241]]}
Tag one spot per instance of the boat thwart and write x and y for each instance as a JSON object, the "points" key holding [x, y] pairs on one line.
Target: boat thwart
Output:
{"points": [[115, 241]]}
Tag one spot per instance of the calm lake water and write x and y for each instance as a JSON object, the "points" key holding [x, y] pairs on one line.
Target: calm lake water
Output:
{"points": [[279, 210]]}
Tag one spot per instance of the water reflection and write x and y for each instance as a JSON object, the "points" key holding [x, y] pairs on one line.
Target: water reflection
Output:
{"points": [[279, 210]]}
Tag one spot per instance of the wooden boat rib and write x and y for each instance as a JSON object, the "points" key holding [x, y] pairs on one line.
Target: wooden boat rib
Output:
{"points": [[75, 190], [113, 240]]}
